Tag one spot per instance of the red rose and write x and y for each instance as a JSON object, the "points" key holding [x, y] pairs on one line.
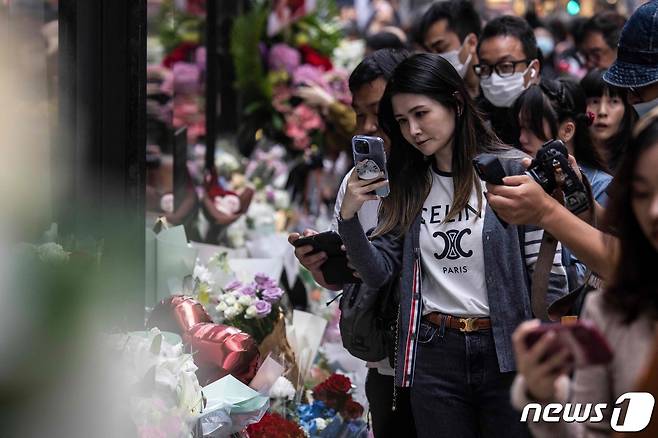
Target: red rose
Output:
{"points": [[352, 410], [313, 57], [338, 383], [274, 426], [182, 52]]}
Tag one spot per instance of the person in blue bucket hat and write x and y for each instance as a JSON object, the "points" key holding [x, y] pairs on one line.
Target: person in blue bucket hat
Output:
{"points": [[636, 66]]}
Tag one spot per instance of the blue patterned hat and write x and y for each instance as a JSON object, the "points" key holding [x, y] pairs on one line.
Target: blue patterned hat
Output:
{"points": [[637, 53]]}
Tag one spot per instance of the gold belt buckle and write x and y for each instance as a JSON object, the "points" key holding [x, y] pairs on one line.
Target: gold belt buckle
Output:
{"points": [[469, 324]]}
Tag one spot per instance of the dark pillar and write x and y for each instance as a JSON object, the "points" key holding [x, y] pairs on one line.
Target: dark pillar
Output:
{"points": [[211, 82], [102, 89]]}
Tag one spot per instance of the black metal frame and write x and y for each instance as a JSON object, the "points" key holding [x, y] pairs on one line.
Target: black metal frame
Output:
{"points": [[102, 113]]}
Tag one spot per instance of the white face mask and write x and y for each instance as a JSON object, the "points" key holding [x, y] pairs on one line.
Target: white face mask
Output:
{"points": [[452, 57], [502, 92]]}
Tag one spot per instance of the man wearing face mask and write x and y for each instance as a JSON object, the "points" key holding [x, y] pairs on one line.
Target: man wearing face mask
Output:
{"points": [[508, 64], [451, 29], [522, 201], [636, 66]]}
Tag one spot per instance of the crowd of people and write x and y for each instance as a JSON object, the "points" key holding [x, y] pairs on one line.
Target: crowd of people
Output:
{"points": [[463, 255]]}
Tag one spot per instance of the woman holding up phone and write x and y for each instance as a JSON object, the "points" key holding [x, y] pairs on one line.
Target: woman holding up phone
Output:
{"points": [[464, 276], [626, 312]]}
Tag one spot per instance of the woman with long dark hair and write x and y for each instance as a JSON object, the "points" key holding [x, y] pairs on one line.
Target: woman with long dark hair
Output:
{"points": [[556, 109], [614, 117], [463, 276], [626, 312]]}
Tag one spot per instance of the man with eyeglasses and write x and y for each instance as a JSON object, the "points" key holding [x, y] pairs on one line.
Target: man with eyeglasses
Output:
{"points": [[508, 64], [600, 35], [520, 200]]}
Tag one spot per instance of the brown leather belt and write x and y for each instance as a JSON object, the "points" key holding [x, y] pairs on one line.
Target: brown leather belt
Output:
{"points": [[462, 324]]}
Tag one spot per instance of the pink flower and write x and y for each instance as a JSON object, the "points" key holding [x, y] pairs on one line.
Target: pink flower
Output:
{"points": [[280, 98], [308, 74], [283, 57], [187, 78]]}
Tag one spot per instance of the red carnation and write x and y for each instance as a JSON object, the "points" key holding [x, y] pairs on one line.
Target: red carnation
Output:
{"points": [[313, 57], [352, 410]]}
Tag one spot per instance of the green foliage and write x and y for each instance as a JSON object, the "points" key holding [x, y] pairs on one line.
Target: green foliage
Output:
{"points": [[248, 29], [175, 27]]}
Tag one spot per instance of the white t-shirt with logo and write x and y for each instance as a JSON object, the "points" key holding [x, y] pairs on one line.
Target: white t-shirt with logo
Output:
{"points": [[452, 258]]}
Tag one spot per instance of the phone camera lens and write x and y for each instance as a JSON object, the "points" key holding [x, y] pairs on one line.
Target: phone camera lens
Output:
{"points": [[361, 146]]}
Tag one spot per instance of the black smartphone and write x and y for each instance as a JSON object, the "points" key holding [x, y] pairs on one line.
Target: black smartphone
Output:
{"points": [[489, 169], [334, 269], [370, 160]]}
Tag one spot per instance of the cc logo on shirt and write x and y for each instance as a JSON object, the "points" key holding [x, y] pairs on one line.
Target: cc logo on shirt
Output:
{"points": [[453, 244]]}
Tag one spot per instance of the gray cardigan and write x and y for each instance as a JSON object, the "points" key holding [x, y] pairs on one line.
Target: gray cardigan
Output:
{"points": [[508, 257]]}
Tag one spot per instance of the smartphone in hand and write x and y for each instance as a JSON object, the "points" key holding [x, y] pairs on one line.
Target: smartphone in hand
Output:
{"points": [[583, 339], [335, 269], [370, 160]]}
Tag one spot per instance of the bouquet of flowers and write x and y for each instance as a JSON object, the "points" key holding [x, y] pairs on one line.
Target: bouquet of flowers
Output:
{"points": [[275, 426], [253, 307], [166, 398], [333, 412], [270, 68]]}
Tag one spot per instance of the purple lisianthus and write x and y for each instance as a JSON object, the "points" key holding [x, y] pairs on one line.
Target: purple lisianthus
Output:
{"points": [[263, 308], [262, 279], [233, 285], [247, 289], [272, 295], [283, 57]]}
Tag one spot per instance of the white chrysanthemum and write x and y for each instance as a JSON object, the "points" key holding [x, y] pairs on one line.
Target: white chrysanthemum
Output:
{"points": [[282, 388]]}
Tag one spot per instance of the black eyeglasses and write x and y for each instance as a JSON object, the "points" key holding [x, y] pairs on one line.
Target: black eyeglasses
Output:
{"points": [[504, 69]]}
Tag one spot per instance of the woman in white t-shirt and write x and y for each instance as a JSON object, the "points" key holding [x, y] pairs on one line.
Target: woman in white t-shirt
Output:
{"points": [[464, 275]]}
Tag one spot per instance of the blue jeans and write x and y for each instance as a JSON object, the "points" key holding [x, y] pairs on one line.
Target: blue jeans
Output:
{"points": [[458, 390]]}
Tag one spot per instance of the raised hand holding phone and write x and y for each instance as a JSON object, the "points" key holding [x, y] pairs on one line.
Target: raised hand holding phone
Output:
{"points": [[359, 191]]}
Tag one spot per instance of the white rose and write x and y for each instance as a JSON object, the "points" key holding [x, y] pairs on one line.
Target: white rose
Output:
{"points": [[221, 307], [251, 312], [231, 312], [238, 307], [245, 300], [229, 299]]}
